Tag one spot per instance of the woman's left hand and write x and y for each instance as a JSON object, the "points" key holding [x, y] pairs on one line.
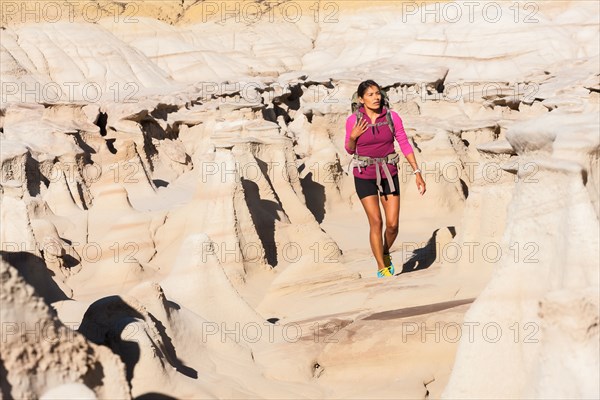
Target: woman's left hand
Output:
{"points": [[420, 184]]}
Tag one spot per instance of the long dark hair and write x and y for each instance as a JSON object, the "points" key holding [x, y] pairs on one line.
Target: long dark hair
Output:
{"points": [[363, 86]]}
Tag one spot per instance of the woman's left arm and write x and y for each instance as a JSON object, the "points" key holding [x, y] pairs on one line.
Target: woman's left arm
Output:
{"points": [[408, 151], [418, 177]]}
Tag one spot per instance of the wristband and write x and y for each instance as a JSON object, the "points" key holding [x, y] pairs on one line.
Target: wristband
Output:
{"points": [[416, 171]]}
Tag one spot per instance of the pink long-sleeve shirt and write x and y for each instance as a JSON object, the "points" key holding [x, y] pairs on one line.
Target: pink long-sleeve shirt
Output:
{"points": [[377, 141]]}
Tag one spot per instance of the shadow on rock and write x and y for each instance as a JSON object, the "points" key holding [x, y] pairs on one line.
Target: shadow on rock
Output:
{"points": [[425, 256]]}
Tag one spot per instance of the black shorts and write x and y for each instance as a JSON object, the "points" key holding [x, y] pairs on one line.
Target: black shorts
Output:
{"points": [[368, 187]]}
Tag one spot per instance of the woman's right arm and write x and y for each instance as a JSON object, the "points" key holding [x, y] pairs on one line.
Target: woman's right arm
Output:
{"points": [[353, 132]]}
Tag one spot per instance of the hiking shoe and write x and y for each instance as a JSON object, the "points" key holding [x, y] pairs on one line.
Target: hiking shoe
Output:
{"points": [[383, 272], [387, 261]]}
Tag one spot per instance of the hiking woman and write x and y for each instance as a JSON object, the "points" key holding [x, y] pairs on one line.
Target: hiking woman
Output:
{"points": [[370, 133]]}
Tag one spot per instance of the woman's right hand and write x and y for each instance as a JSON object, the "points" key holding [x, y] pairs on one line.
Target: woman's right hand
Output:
{"points": [[359, 128]]}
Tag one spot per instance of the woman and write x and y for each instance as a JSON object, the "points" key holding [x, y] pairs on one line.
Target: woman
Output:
{"points": [[372, 139]]}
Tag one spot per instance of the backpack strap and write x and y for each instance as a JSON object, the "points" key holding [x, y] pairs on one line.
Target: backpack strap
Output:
{"points": [[364, 161], [359, 162], [388, 116], [358, 114], [390, 121]]}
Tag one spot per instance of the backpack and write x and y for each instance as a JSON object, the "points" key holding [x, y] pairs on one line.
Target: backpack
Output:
{"points": [[355, 105]]}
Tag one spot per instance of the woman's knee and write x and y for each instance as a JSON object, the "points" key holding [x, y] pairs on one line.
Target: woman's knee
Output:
{"points": [[391, 227], [376, 223]]}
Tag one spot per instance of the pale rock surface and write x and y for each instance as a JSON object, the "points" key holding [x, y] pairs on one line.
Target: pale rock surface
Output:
{"points": [[39, 352], [69, 391], [553, 273]]}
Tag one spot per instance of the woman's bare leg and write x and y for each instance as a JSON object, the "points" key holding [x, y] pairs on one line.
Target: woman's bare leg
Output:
{"points": [[391, 208], [371, 206]]}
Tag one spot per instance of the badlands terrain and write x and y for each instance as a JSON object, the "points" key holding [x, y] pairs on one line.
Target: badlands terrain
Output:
{"points": [[177, 220]]}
